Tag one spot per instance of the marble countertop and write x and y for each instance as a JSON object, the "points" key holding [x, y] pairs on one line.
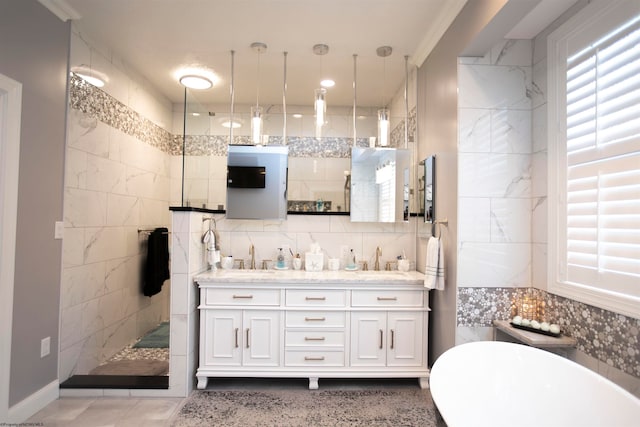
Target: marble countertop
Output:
{"points": [[302, 276]]}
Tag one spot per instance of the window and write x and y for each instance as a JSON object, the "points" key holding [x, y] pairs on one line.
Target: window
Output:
{"points": [[594, 152]]}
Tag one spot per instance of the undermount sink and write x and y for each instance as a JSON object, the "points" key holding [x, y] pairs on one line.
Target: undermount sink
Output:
{"points": [[248, 273]]}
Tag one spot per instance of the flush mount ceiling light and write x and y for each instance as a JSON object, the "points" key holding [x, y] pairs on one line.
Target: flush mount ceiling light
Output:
{"points": [[196, 77], [193, 81], [91, 76]]}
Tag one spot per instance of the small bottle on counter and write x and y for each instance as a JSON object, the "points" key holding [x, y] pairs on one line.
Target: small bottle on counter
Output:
{"points": [[280, 259]]}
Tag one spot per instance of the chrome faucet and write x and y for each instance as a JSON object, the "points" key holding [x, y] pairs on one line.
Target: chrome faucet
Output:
{"points": [[376, 266], [252, 252]]}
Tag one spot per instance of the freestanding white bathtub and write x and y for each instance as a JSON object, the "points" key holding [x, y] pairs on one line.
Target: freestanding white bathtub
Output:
{"points": [[490, 383]]}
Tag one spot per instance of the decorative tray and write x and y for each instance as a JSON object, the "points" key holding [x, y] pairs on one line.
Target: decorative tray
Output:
{"points": [[537, 331]]}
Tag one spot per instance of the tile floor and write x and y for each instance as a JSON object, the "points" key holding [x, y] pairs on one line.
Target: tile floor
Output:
{"points": [[157, 412], [107, 412]]}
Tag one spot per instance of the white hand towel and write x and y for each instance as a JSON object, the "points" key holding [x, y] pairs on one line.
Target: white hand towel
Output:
{"points": [[209, 239], [434, 269]]}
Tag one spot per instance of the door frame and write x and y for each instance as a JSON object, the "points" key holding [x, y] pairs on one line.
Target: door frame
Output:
{"points": [[10, 115]]}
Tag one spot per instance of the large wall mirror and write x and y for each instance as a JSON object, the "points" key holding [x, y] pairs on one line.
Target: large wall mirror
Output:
{"points": [[319, 166]]}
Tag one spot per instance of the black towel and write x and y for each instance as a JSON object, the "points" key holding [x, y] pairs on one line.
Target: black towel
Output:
{"points": [[156, 269]]}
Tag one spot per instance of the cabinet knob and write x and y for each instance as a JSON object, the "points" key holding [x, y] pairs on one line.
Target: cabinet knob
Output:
{"points": [[387, 298], [314, 319], [315, 298], [242, 296], [314, 338], [314, 358]]}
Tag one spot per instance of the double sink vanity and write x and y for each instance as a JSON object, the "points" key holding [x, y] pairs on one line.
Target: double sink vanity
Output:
{"points": [[298, 324]]}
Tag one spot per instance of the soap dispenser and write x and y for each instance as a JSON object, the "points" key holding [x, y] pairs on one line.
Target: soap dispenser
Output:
{"points": [[280, 259], [351, 264]]}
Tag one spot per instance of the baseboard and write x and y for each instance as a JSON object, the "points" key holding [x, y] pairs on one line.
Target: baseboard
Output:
{"points": [[27, 407]]}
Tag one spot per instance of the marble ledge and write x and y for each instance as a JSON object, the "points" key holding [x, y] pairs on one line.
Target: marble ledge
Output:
{"points": [[236, 276]]}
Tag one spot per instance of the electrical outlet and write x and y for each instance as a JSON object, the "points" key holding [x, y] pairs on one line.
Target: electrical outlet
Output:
{"points": [[45, 347]]}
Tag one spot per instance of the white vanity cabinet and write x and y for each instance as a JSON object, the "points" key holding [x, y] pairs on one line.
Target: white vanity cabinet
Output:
{"points": [[296, 324]]}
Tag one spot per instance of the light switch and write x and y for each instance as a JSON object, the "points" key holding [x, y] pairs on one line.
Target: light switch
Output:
{"points": [[58, 232]]}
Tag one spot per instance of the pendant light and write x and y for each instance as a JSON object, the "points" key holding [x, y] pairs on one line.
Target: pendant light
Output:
{"points": [[355, 60], [320, 95], [284, 102], [256, 111], [232, 98], [406, 101], [384, 126]]}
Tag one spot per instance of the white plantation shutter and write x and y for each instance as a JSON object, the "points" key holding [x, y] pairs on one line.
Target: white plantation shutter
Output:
{"points": [[599, 191]]}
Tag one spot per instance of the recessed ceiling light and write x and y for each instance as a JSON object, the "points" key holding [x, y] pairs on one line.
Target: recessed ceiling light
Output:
{"points": [[327, 83], [297, 115], [193, 81], [195, 114], [228, 123]]}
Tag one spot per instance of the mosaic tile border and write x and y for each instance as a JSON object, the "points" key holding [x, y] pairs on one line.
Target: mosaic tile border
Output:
{"points": [[102, 106], [397, 134], [607, 336], [98, 104]]}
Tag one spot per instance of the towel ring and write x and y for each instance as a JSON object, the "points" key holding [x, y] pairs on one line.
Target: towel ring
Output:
{"points": [[439, 223]]}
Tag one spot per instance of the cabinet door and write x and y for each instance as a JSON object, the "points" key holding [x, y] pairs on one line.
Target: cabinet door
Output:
{"points": [[368, 338], [261, 338], [404, 340], [220, 337]]}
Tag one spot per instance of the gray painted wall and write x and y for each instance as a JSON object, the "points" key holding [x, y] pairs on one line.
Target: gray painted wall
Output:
{"points": [[438, 134], [34, 48]]}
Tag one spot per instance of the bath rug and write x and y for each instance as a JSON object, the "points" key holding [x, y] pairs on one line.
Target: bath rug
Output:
{"points": [[157, 338], [133, 367], [391, 407]]}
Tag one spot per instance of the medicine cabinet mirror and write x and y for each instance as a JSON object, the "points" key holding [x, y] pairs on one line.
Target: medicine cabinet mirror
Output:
{"points": [[380, 184], [429, 188]]}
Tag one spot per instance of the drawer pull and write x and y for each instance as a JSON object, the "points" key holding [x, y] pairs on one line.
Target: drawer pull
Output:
{"points": [[392, 336], [314, 319], [314, 338], [247, 342], [315, 298], [387, 298], [236, 337], [314, 358], [242, 296], [380, 338]]}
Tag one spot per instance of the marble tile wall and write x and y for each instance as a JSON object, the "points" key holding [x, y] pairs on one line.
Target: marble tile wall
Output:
{"points": [[494, 190], [117, 180], [503, 211], [330, 232]]}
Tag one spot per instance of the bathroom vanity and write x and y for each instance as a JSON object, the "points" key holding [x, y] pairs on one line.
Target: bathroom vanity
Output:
{"points": [[298, 324]]}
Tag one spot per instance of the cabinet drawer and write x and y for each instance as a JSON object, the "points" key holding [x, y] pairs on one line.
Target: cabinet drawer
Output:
{"points": [[316, 298], [242, 296], [315, 319], [315, 338], [314, 358], [387, 298]]}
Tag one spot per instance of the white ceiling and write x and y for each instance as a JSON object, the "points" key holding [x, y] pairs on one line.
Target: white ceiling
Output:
{"points": [[157, 37]]}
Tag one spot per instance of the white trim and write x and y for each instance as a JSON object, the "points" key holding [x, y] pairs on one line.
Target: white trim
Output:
{"points": [[437, 27], [61, 9], [591, 16], [27, 407], [10, 114]]}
